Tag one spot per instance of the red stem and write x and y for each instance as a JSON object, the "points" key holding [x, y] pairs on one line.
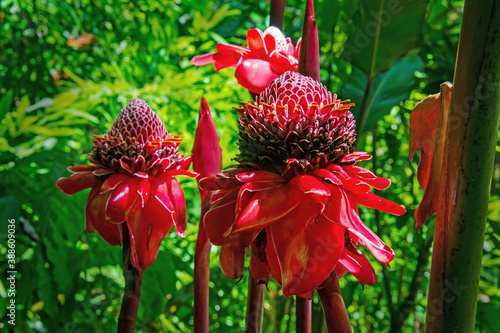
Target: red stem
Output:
{"points": [[277, 13], [337, 319], [201, 279], [255, 306], [133, 288], [303, 311], [309, 49]]}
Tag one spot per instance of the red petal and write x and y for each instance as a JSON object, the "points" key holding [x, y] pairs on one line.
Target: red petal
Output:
{"points": [[259, 176], [123, 198], [255, 74], [356, 156], [259, 270], [177, 197], [255, 40], [204, 59], [306, 257], [181, 172], [81, 168], [218, 182], [217, 222], [272, 260], [326, 175], [148, 226], [359, 266], [95, 218], [220, 218], [313, 187], [340, 211], [112, 182], [282, 62], [368, 177], [371, 200], [232, 254], [266, 207], [78, 182]]}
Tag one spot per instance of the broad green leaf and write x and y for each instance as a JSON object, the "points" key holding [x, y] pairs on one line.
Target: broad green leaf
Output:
{"points": [[385, 30], [388, 90]]}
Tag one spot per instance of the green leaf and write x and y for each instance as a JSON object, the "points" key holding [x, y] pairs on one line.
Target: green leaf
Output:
{"points": [[47, 131], [20, 112], [388, 90], [487, 314], [384, 31], [154, 290], [6, 103]]}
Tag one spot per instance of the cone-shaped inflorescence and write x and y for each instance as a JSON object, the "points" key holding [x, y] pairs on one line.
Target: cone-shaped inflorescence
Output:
{"points": [[137, 142], [295, 118]]}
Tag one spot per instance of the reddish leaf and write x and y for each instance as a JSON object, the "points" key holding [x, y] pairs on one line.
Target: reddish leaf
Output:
{"points": [[428, 123]]}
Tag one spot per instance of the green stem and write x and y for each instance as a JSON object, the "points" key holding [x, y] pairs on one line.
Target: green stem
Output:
{"points": [[467, 172], [255, 306], [133, 287], [303, 311], [365, 107]]}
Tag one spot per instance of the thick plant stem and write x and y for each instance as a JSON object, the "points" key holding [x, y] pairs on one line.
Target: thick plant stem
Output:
{"points": [[255, 306], [337, 319], [277, 13], [303, 311], [133, 288], [201, 279], [467, 172]]}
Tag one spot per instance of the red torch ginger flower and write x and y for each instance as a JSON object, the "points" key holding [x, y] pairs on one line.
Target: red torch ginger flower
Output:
{"points": [[268, 55], [294, 196], [132, 181]]}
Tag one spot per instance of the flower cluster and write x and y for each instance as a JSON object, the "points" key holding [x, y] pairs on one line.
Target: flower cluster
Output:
{"points": [[293, 198], [268, 55], [132, 181]]}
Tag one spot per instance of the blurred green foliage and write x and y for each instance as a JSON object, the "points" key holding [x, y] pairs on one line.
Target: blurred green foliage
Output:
{"points": [[58, 89]]}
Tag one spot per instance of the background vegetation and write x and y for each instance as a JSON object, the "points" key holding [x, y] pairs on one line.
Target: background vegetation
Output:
{"points": [[66, 70]]}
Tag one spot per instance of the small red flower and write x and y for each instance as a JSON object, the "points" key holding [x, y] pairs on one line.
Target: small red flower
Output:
{"points": [[268, 55], [132, 181], [294, 196]]}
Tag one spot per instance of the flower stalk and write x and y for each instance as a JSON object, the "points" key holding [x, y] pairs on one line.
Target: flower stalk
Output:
{"points": [[337, 319], [466, 173], [255, 306], [277, 12], [133, 288], [303, 310]]}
